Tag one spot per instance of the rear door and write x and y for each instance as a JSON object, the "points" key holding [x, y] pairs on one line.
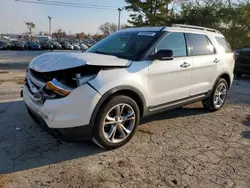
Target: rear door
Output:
{"points": [[206, 63]]}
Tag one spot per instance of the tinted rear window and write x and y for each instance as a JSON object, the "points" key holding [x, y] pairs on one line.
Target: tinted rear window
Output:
{"points": [[224, 44], [200, 44]]}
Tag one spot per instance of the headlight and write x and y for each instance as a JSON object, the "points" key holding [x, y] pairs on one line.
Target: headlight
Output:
{"points": [[58, 88]]}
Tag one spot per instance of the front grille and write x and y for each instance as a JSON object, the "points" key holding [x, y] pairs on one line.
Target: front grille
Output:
{"points": [[64, 76], [44, 77]]}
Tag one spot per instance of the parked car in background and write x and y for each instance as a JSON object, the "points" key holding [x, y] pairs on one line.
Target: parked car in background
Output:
{"points": [[3, 45], [56, 45], [30, 45], [83, 47], [67, 46], [89, 42], [17, 45], [242, 63], [104, 92], [76, 46], [8, 44], [46, 45]]}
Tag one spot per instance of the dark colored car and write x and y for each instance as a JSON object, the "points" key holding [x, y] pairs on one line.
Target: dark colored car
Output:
{"points": [[56, 45], [89, 42], [242, 63], [17, 45], [32, 46], [3, 45], [8, 44], [46, 45]]}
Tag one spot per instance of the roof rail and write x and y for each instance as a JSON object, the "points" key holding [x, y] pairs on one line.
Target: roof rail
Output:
{"points": [[196, 27]]}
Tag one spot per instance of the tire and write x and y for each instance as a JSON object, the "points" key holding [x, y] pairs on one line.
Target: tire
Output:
{"points": [[238, 75], [218, 95], [109, 136]]}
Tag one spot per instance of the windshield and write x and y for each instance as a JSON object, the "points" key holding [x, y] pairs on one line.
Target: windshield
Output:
{"points": [[125, 45]]}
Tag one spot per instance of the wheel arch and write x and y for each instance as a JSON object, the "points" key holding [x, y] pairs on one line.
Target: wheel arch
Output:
{"points": [[226, 76], [129, 91]]}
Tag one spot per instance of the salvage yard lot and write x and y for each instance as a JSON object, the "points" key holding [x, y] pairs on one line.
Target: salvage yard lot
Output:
{"points": [[186, 148]]}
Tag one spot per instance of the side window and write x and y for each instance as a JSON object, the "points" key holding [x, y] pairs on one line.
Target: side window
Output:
{"points": [[200, 45], [224, 44], [175, 42]]}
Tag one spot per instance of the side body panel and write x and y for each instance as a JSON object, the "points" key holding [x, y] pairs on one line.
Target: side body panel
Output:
{"points": [[168, 81], [135, 76]]}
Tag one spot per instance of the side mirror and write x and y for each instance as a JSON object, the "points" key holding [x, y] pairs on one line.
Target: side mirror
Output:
{"points": [[164, 55]]}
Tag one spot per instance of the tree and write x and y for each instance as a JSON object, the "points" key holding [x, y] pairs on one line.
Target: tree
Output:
{"points": [[59, 34], [108, 28], [80, 36], [152, 12], [232, 19], [30, 26]]}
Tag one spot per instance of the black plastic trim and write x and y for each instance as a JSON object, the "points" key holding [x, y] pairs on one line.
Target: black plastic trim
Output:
{"points": [[220, 77], [177, 102], [152, 45]]}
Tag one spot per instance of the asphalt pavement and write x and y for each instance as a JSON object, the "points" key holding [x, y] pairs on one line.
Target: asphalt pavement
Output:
{"points": [[184, 148]]}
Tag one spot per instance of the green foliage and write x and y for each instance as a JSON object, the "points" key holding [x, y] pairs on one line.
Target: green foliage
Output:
{"points": [[232, 18], [150, 12], [30, 26]]}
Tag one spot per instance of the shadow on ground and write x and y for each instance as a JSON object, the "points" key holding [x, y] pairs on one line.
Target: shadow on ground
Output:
{"points": [[25, 145], [246, 122], [14, 66], [190, 110]]}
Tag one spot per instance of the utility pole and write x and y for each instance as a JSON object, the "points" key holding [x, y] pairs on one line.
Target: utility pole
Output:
{"points": [[49, 17], [119, 18]]}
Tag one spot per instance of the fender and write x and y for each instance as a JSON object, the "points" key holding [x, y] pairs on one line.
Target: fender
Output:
{"points": [[217, 79], [111, 92]]}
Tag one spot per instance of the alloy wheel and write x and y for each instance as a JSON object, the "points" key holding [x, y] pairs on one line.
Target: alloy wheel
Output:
{"points": [[119, 123], [220, 95]]}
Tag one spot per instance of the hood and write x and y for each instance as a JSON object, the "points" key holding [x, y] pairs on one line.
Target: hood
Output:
{"points": [[53, 61]]}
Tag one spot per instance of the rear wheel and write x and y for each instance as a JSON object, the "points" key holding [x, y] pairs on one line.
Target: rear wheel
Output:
{"points": [[218, 97], [116, 122]]}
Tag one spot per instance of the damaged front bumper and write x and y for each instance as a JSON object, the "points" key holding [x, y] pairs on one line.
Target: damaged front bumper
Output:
{"points": [[75, 110]]}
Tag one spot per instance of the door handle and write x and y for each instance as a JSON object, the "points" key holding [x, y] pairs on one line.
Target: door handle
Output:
{"points": [[185, 65], [216, 60]]}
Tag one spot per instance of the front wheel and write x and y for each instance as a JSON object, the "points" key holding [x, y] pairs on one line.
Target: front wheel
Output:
{"points": [[218, 96], [116, 122]]}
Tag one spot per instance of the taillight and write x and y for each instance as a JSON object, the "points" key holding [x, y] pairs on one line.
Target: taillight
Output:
{"points": [[234, 57]]}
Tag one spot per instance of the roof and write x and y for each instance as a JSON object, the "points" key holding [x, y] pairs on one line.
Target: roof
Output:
{"points": [[144, 29], [178, 28]]}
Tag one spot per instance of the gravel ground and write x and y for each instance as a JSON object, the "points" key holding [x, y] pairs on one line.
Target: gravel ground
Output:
{"points": [[185, 148]]}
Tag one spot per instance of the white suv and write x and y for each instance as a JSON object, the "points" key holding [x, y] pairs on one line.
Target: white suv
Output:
{"points": [[103, 93]]}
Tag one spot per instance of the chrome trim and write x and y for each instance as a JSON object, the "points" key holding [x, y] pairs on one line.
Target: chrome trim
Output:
{"points": [[35, 80], [31, 85], [59, 85], [36, 98]]}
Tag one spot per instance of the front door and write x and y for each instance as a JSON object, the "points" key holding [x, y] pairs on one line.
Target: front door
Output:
{"points": [[169, 80]]}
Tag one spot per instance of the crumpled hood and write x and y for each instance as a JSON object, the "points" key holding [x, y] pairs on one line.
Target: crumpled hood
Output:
{"points": [[54, 61]]}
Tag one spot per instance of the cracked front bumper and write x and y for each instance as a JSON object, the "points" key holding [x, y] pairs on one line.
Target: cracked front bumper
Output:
{"points": [[75, 110]]}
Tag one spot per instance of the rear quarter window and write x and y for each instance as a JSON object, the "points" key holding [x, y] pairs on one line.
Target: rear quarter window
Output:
{"points": [[224, 44]]}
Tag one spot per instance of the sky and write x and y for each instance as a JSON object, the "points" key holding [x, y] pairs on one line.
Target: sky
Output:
{"points": [[13, 14]]}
